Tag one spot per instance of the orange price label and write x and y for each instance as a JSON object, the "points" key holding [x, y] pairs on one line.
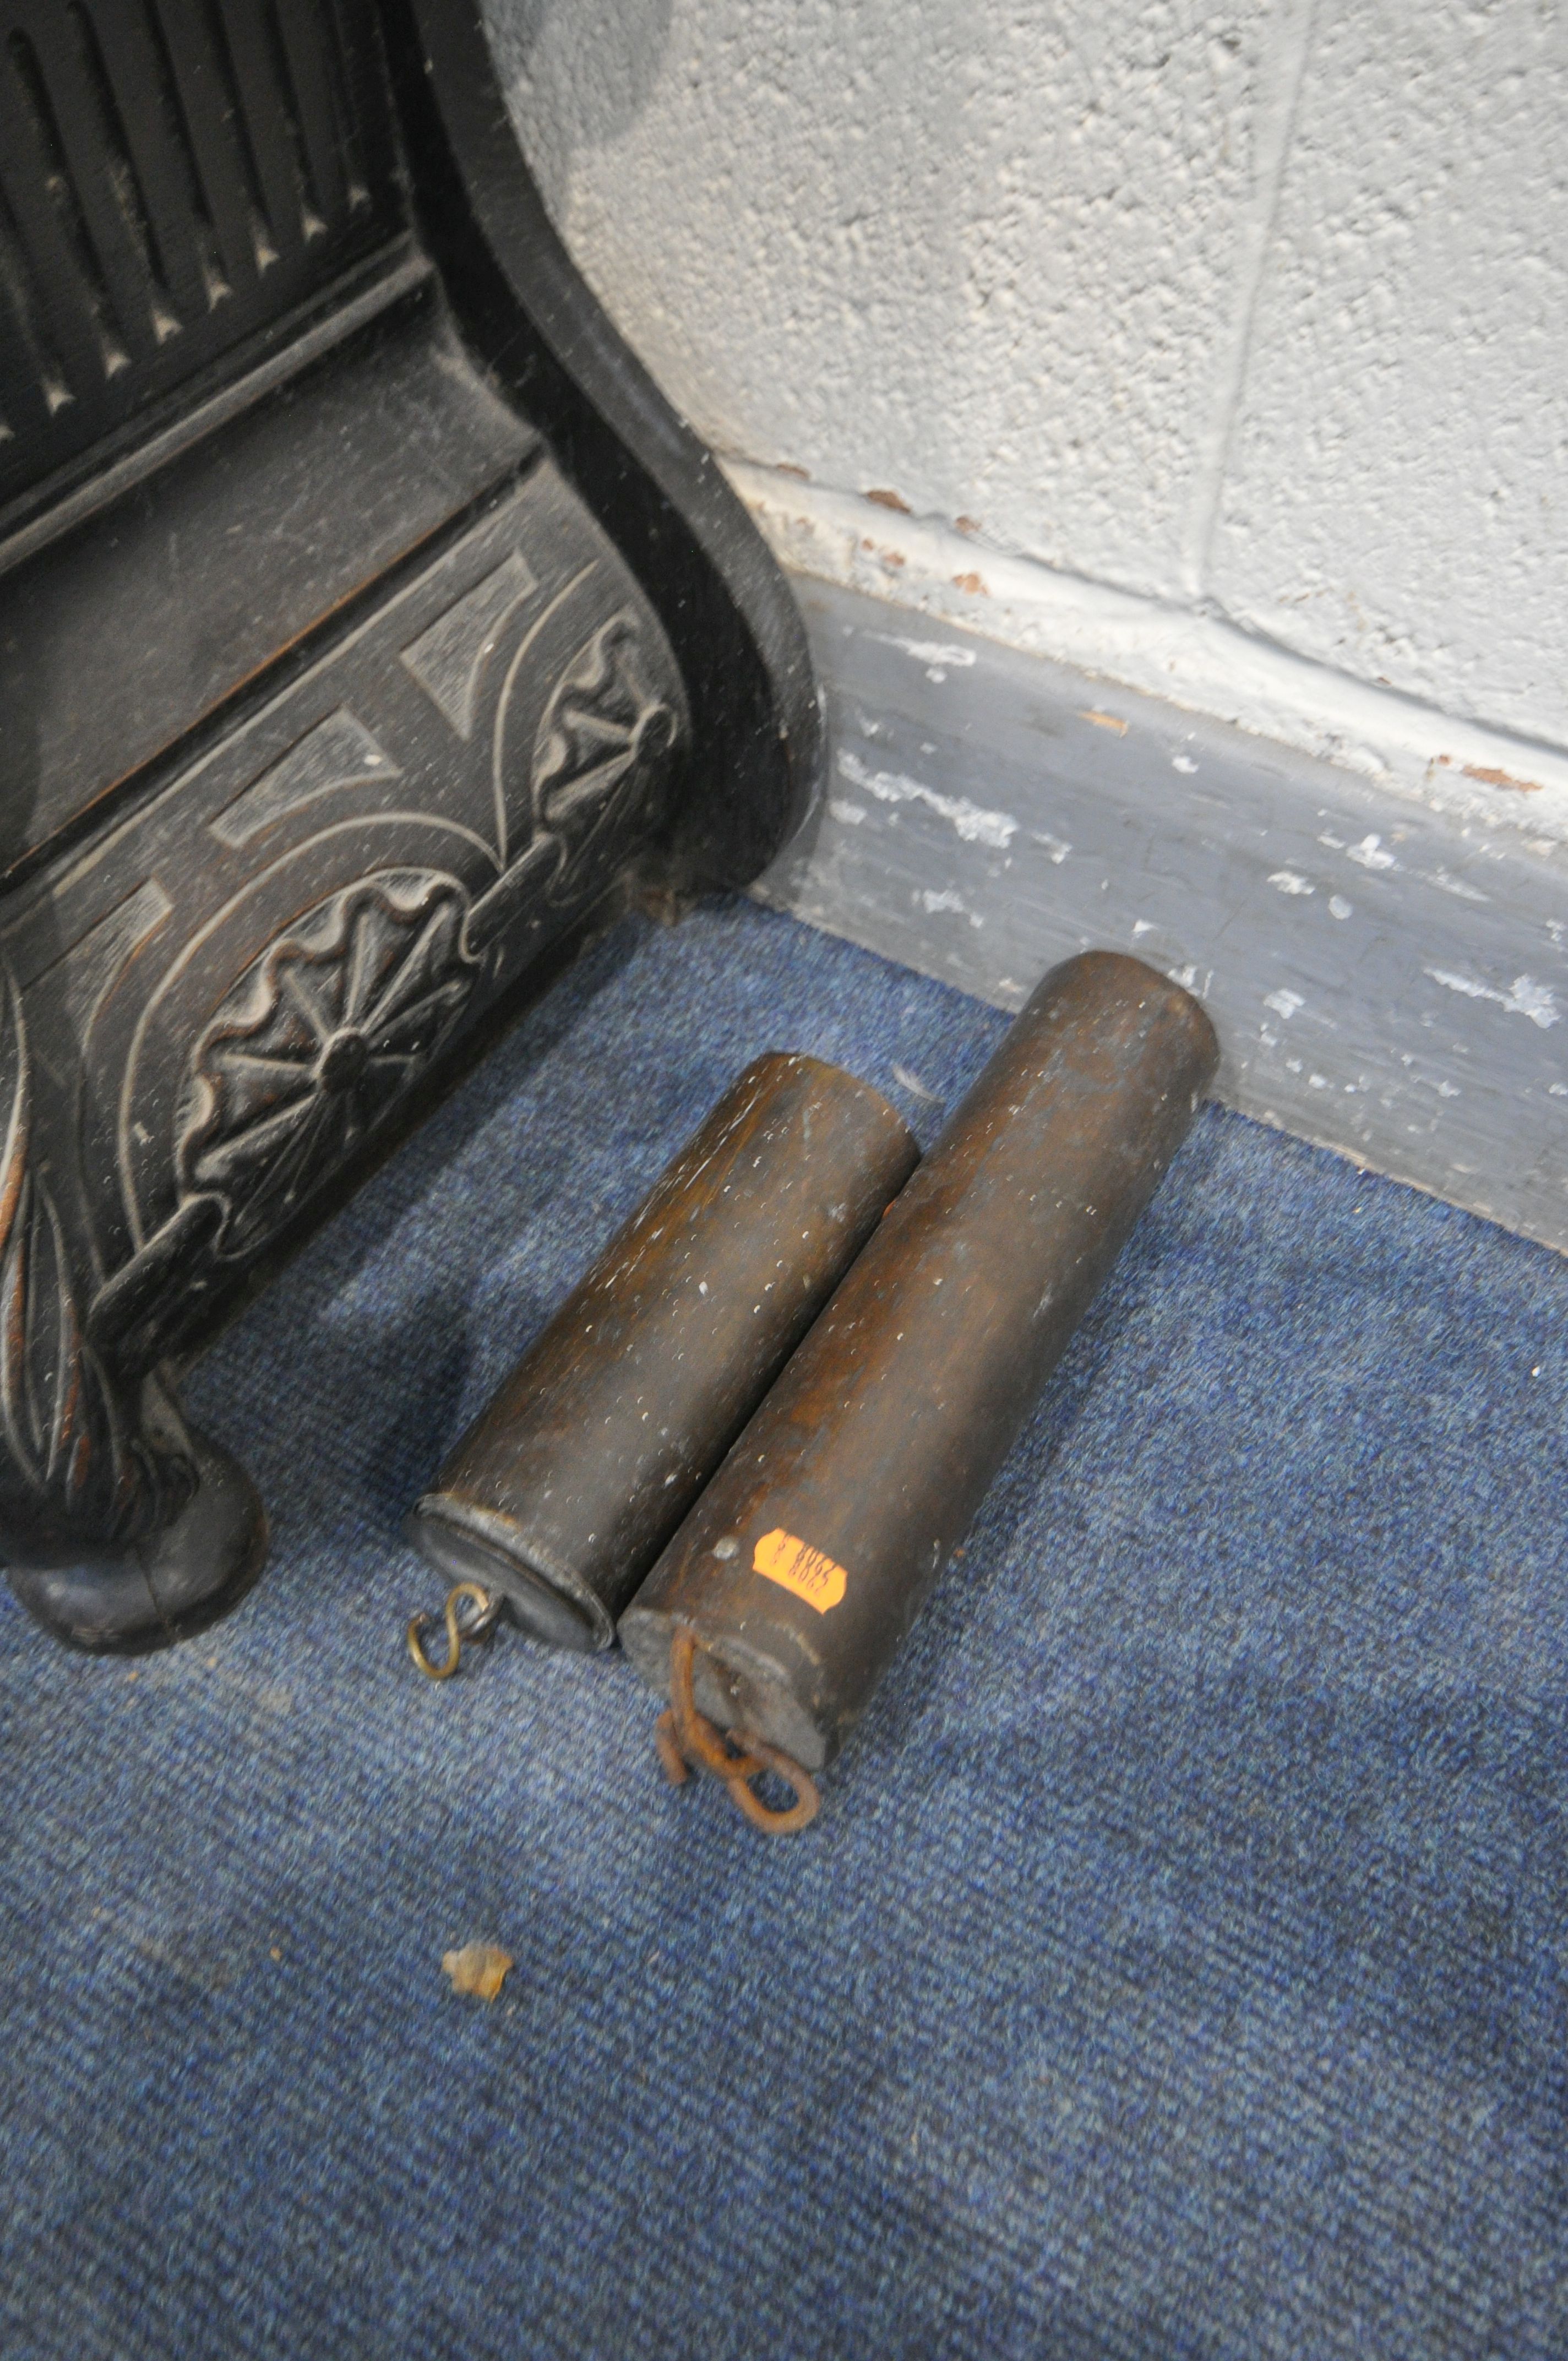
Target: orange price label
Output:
{"points": [[794, 1565]]}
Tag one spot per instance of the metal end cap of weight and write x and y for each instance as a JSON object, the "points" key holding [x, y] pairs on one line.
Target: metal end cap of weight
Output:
{"points": [[472, 1544]]}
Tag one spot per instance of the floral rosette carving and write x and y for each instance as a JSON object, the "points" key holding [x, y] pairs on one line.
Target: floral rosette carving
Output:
{"points": [[316, 1041], [604, 736]]}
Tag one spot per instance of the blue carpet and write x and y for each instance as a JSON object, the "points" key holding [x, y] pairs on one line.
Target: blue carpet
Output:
{"points": [[1177, 1968]]}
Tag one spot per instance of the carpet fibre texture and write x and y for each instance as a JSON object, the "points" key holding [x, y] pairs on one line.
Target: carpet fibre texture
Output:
{"points": [[1176, 1967]]}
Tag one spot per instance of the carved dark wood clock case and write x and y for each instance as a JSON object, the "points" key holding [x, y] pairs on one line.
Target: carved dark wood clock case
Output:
{"points": [[366, 620]]}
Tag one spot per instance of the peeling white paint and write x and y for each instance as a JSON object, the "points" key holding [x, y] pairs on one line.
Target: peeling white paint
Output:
{"points": [[1288, 881], [1524, 998], [1416, 1077], [1443, 761], [1457, 885], [850, 814], [973, 823], [947, 652], [944, 898], [1183, 763], [1370, 854]]}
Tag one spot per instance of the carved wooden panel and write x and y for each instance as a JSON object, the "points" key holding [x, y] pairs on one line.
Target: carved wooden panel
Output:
{"points": [[173, 176], [327, 705], [244, 979]]}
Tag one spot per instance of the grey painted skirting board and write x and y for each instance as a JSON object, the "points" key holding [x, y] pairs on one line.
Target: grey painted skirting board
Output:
{"points": [[1387, 980]]}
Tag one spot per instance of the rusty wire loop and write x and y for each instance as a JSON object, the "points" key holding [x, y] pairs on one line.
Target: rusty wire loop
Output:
{"points": [[488, 1606], [687, 1740]]}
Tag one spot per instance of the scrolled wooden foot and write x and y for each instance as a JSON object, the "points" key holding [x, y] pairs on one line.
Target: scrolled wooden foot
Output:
{"points": [[127, 1598]]}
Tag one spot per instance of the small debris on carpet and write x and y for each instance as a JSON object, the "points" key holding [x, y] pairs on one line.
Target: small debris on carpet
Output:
{"points": [[478, 1968]]}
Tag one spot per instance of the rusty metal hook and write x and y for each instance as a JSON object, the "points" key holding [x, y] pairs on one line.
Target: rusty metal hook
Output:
{"points": [[687, 1740], [486, 1603]]}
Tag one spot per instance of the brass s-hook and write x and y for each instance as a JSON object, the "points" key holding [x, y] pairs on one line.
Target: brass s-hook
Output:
{"points": [[488, 1606]]}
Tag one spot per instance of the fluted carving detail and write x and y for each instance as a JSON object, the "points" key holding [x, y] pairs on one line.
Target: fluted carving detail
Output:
{"points": [[74, 1465]]}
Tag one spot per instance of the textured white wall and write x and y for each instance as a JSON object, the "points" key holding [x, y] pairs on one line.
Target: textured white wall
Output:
{"points": [[1395, 496], [1255, 310]]}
